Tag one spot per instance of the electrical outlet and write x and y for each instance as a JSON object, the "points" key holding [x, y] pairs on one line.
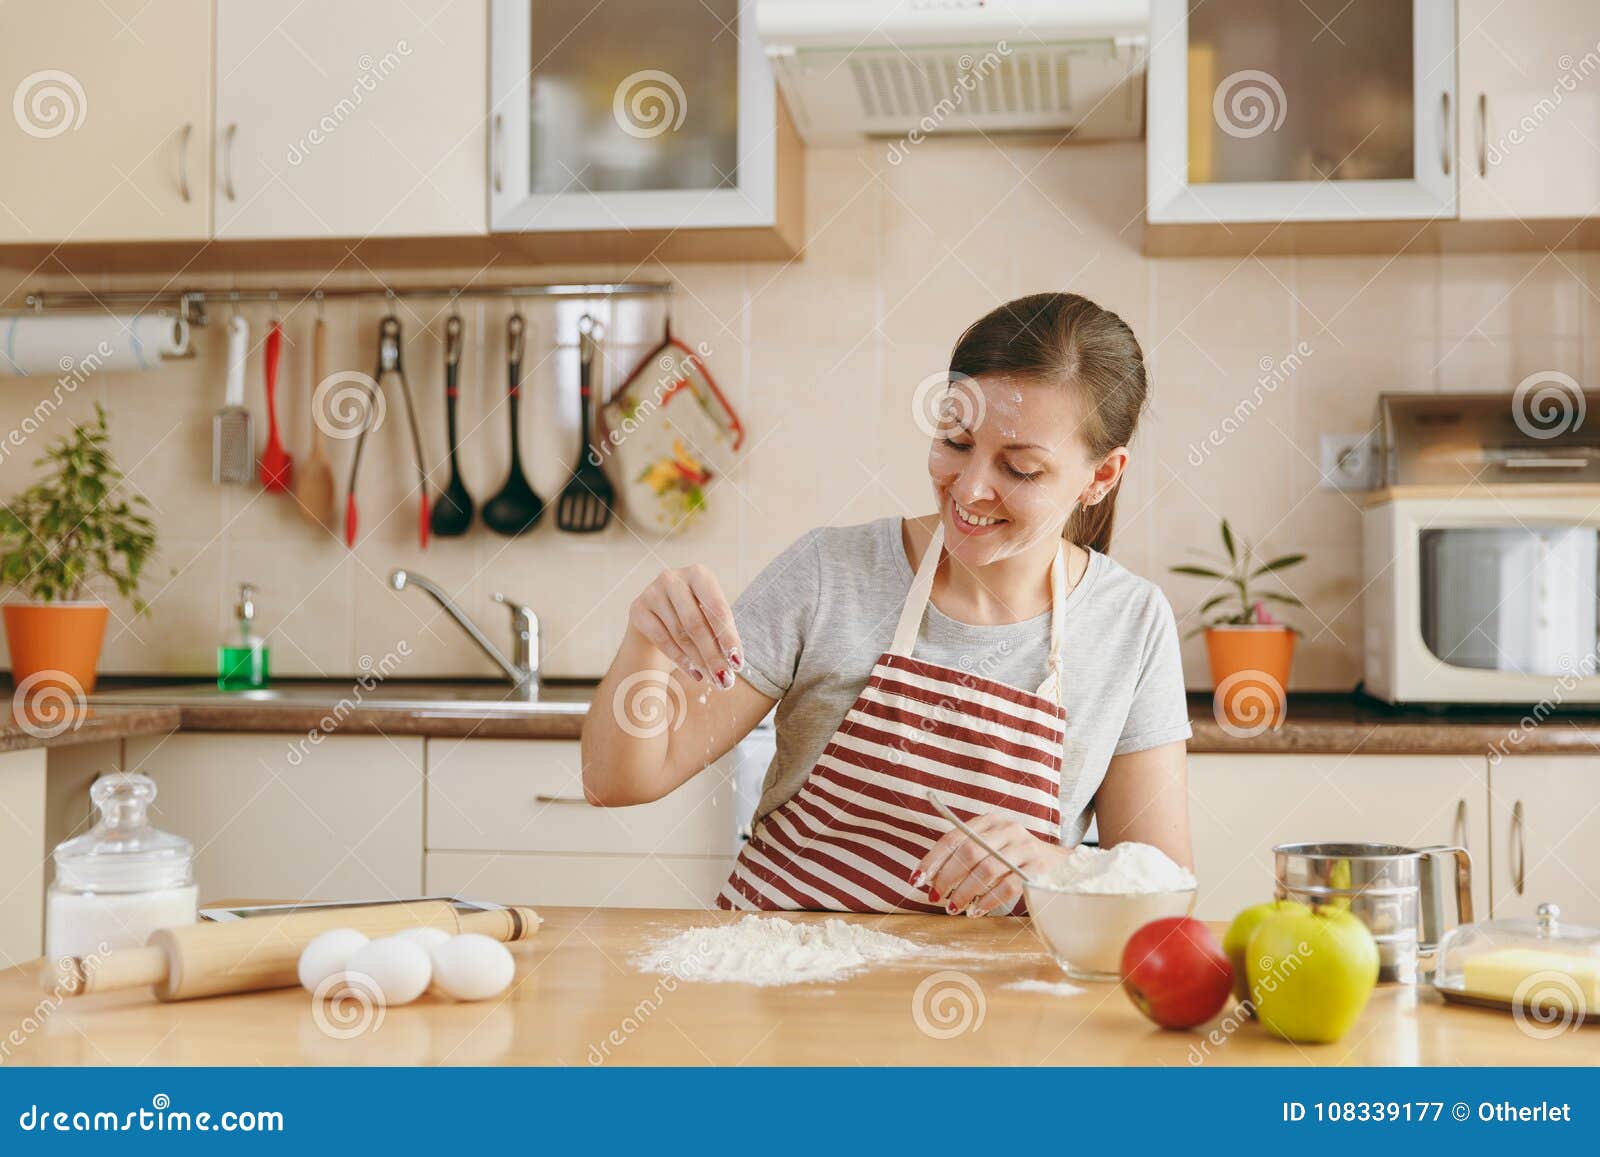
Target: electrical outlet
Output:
{"points": [[1349, 462]]}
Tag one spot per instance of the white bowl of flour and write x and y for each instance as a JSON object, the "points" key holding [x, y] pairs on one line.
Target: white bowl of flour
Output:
{"points": [[1088, 907]]}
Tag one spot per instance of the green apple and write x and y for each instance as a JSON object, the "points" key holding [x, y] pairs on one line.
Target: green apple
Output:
{"points": [[1311, 973], [1238, 938]]}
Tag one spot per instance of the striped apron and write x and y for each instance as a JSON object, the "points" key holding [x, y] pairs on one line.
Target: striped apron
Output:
{"points": [[850, 838]]}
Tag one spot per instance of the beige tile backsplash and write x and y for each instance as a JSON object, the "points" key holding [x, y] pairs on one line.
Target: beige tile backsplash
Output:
{"points": [[820, 356]]}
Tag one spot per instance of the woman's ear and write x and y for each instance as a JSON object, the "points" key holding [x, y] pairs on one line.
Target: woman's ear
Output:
{"points": [[1106, 476]]}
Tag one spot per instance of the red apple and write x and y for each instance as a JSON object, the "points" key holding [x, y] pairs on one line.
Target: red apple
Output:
{"points": [[1176, 973]]}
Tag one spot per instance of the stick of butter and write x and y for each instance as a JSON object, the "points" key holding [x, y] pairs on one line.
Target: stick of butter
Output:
{"points": [[1534, 976]]}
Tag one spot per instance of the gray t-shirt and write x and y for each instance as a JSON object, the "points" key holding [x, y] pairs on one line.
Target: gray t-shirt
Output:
{"points": [[814, 622]]}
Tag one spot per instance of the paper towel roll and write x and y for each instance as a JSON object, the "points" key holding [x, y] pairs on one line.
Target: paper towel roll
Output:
{"points": [[51, 345]]}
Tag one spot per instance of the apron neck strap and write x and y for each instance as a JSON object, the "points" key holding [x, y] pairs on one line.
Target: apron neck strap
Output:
{"points": [[921, 593]]}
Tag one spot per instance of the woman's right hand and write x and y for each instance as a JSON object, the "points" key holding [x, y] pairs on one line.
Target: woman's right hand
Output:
{"points": [[684, 615]]}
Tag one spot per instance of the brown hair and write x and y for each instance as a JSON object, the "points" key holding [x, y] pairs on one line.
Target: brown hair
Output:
{"points": [[1068, 340]]}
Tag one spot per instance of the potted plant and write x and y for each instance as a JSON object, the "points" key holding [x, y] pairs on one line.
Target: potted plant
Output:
{"points": [[60, 537], [1249, 650]]}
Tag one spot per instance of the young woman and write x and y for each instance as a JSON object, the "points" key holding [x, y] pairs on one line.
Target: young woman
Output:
{"points": [[990, 652]]}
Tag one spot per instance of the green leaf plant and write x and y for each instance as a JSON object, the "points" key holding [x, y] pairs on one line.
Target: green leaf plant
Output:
{"points": [[75, 527], [1240, 567]]}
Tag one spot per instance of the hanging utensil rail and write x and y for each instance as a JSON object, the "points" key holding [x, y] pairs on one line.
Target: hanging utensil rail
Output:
{"points": [[192, 303]]}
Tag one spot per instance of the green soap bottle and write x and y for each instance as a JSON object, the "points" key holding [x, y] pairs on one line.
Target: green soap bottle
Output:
{"points": [[242, 656]]}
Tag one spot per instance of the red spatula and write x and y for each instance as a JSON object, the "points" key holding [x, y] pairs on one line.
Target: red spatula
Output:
{"points": [[277, 468]]}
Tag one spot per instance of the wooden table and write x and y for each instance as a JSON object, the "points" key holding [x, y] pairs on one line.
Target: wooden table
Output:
{"points": [[578, 1001]]}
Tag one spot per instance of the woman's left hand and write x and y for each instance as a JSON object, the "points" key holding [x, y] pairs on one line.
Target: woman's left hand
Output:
{"points": [[965, 878]]}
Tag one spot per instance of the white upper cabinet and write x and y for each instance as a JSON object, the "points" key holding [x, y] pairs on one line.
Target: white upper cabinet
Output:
{"points": [[362, 118], [110, 114], [1530, 115], [1314, 110], [644, 115]]}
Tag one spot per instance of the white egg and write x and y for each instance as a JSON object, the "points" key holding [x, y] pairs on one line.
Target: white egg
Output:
{"points": [[429, 938], [472, 967], [326, 954], [398, 967]]}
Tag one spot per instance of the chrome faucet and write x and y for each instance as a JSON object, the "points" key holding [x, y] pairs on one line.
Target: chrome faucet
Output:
{"points": [[523, 666]]}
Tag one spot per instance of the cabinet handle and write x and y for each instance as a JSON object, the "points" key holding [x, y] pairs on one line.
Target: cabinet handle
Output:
{"points": [[1519, 833], [1444, 132], [577, 800], [494, 147], [1461, 824], [1483, 134], [183, 162], [227, 161]]}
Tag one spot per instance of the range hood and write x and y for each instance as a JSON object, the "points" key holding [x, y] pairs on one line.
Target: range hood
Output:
{"points": [[854, 69]]}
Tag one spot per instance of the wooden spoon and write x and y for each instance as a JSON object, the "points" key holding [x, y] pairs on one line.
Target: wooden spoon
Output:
{"points": [[312, 484]]}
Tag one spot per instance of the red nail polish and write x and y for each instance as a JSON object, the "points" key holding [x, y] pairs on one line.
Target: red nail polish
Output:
{"points": [[951, 907], [932, 895]]}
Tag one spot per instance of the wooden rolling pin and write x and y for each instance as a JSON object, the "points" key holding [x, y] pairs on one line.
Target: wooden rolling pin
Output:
{"points": [[259, 952]]}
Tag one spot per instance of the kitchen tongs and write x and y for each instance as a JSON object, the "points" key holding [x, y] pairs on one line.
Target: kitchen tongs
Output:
{"points": [[389, 362]]}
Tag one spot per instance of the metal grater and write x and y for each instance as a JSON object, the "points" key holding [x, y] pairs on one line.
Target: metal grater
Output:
{"points": [[232, 447]]}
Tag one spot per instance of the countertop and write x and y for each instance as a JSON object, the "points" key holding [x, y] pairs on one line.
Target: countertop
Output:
{"points": [[578, 1001], [1344, 724], [1328, 723], [22, 729]]}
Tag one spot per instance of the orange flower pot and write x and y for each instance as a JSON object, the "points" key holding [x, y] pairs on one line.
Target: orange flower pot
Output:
{"points": [[58, 642], [1250, 671]]}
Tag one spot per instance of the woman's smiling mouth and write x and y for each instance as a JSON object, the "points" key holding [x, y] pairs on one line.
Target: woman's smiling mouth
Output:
{"points": [[972, 523]]}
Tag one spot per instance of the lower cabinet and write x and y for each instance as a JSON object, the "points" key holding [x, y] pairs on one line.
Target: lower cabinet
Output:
{"points": [[613, 881], [1544, 822], [276, 817], [507, 821], [22, 855], [1241, 806]]}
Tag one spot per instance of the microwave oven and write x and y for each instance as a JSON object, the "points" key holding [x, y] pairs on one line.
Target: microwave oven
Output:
{"points": [[1481, 555]]}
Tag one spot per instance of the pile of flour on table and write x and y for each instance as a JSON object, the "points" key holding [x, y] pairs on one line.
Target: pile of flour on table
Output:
{"points": [[766, 951], [1129, 869]]}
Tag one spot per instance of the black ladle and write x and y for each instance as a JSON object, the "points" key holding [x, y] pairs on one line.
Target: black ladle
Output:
{"points": [[452, 514], [516, 508]]}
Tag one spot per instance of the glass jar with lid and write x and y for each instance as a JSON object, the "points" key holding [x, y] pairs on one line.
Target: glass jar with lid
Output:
{"points": [[1543, 968], [121, 880]]}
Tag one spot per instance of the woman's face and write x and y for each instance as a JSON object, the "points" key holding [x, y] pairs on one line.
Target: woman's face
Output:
{"points": [[1009, 463]]}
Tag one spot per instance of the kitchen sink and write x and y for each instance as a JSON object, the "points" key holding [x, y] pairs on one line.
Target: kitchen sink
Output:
{"points": [[463, 698]]}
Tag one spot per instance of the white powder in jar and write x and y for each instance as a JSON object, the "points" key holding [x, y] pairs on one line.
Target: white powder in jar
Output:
{"points": [[1128, 869], [767, 951], [89, 923]]}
